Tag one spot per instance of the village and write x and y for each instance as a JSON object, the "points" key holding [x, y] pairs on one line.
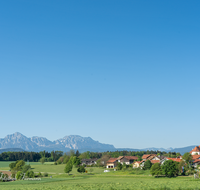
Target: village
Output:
{"points": [[153, 158]]}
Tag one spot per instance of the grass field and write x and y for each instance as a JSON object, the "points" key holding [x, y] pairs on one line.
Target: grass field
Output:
{"points": [[97, 180], [6, 163], [107, 183]]}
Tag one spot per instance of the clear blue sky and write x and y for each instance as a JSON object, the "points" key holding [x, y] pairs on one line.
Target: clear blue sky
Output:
{"points": [[125, 73]]}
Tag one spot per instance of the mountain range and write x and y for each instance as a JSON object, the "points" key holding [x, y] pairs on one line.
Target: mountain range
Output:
{"points": [[17, 141]]}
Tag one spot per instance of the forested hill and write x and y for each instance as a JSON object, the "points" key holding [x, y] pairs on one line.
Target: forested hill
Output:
{"points": [[11, 150]]}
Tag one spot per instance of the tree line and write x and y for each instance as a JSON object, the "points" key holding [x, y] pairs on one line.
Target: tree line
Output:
{"points": [[31, 156], [56, 155]]}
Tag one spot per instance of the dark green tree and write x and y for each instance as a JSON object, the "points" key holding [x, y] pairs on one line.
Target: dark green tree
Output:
{"points": [[169, 168], [81, 169], [156, 169], [77, 153], [19, 175], [12, 165], [119, 166], [19, 165], [25, 168], [187, 157], [42, 160], [147, 165], [68, 167]]}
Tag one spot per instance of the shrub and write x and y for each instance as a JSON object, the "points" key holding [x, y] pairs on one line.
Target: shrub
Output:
{"points": [[59, 162], [30, 174], [42, 160], [19, 165], [156, 169], [19, 175], [25, 168], [45, 174], [119, 166], [169, 168], [81, 169], [39, 174], [12, 165], [147, 165], [55, 163]]}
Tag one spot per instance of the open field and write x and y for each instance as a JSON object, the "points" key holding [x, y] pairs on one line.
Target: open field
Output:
{"points": [[97, 180], [107, 183], [6, 163], [60, 169]]}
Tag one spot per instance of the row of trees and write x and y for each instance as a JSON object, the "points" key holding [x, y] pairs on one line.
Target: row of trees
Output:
{"points": [[31, 156], [56, 155]]}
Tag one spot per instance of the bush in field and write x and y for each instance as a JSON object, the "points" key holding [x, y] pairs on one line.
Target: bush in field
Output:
{"points": [[45, 174], [124, 166], [119, 166], [169, 168], [42, 160], [59, 162], [39, 174], [156, 170], [25, 168], [30, 174], [19, 175], [147, 165], [190, 171], [14, 172], [13, 175], [81, 169]]}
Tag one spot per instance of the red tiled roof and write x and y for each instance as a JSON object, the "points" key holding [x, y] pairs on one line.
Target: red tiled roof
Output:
{"points": [[196, 149], [196, 161], [174, 159], [120, 157], [194, 157], [131, 157], [146, 156], [111, 160], [155, 161]]}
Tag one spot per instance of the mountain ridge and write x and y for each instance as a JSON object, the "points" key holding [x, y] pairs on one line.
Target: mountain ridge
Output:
{"points": [[35, 143], [76, 142]]}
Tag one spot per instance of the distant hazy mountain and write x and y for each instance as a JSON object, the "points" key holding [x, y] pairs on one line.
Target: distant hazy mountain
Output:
{"points": [[19, 142], [78, 142]]}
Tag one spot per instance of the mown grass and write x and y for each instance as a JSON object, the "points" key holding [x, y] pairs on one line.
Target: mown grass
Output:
{"points": [[97, 179], [4, 164], [106, 182], [60, 169]]}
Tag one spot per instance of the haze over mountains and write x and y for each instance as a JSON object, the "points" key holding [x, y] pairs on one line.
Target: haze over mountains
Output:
{"points": [[17, 141]]}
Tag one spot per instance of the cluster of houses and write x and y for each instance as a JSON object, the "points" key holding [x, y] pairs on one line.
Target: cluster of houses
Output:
{"points": [[153, 158]]}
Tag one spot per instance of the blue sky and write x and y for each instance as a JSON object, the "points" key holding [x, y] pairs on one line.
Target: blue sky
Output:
{"points": [[122, 72]]}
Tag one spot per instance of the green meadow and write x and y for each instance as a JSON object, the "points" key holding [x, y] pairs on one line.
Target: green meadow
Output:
{"points": [[97, 179]]}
